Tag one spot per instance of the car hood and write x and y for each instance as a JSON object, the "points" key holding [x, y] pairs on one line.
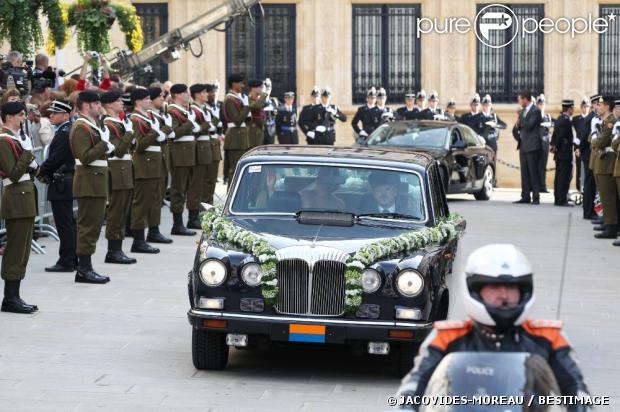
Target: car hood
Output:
{"points": [[281, 233]]}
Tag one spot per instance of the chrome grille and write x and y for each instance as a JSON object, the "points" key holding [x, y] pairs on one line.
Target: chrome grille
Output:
{"points": [[325, 298], [293, 277]]}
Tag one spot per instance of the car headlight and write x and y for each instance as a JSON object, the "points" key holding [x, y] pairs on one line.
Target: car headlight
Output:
{"points": [[409, 283], [371, 280], [252, 274], [212, 272]]}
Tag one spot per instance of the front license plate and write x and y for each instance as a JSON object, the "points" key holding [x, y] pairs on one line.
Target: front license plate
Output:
{"points": [[306, 333]]}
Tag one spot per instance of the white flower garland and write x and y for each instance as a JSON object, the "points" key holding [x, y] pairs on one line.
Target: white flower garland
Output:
{"points": [[217, 226]]}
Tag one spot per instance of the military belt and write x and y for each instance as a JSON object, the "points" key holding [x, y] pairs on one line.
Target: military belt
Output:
{"points": [[125, 157], [185, 139], [101, 163], [203, 138], [153, 149], [7, 182], [232, 125]]}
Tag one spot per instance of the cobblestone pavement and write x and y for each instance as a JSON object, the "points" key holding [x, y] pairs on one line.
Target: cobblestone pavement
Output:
{"points": [[126, 345]]}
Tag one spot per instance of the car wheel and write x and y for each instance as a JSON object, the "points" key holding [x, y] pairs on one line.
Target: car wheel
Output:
{"points": [[209, 350], [487, 185], [406, 354]]}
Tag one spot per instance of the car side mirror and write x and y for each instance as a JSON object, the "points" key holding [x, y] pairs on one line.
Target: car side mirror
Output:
{"points": [[459, 144]]}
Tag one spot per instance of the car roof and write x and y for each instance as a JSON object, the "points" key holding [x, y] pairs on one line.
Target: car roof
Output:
{"points": [[353, 155], [427, 123]]}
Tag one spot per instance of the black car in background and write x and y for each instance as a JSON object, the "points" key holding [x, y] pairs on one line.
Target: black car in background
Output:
{"points": [[466, 163]]}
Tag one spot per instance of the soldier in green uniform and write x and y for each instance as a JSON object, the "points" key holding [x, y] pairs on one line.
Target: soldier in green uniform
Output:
{"points": [[89, 145], [120, 177], [18, 207], [148, 163], [165, 122], [204, 153], [604, 168], [615, 144], [236, 110], [214, 107], [182, 154], [256, 130]]}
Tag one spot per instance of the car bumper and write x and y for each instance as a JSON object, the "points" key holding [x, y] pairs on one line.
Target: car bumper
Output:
{"points": [[336, 330]]}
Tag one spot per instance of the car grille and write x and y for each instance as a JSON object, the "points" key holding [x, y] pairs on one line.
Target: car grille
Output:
{"points": [[317, 291]]}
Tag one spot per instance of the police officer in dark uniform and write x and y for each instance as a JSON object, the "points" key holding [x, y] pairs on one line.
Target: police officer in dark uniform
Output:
{"points": [[286, 120], [545, 134], [451, 110], [420, 102], [271, 111], [307, 116], [57, 172], [363, 115], [562, 148], [382, 113], [488, 123], [433, 111], [409, 111], [581, 124], [470, 118], [326, 115]]}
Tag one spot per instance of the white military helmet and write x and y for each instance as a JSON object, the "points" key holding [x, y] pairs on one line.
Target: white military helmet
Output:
{"points": [[499, 264]]}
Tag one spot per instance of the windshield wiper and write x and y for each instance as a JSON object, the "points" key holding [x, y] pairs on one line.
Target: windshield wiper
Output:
{"points": [[389, 215]]}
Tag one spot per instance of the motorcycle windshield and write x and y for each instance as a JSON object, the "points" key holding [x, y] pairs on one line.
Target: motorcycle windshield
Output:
{"points": [[489, 381]]}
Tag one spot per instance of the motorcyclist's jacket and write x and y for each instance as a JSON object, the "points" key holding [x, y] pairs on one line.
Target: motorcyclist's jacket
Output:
{"points": [[541, 337]]}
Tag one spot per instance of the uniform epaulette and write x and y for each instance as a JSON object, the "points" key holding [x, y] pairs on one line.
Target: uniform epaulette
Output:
{"points": [[451, 324], [545, 323]]}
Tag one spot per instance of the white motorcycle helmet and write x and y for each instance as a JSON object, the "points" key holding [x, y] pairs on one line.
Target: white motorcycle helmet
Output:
{"points": [[499, 264]]}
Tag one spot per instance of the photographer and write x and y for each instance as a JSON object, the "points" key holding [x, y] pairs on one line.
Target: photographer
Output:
{"points": [[13, 73], [83, 83]]}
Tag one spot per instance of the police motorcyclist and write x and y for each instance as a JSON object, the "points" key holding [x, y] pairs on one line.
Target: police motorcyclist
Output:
{"points": [[499, 293]]}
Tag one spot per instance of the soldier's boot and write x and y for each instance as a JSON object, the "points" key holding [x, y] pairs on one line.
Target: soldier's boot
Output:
{"points": [[178, 228], [599, 228], [155, 236], [86, 274], [116, 255], [12, 302], [139, 244], [193, 221], [610, 232]]}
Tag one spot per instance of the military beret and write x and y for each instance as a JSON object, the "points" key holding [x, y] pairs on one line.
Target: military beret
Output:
{"points": [[568, 103], [197, 88], [486, 99], [433, 96], [541, 98], [126, 98], [235, 78], [289, 94], [209, 87], [13, 108], [381, 92], [178, 88], [255, 83], [110, 97], [60, 106], [372, 92], [139, 93], [315, 91], [451, 103], [89, 96], [475, 98], [155, 92], [326, 92]]}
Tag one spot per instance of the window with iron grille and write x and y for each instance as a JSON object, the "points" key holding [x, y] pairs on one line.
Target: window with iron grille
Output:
{"points": [[504, 72], [609, 54], [264, 46], [386, 52], [154, 22]]}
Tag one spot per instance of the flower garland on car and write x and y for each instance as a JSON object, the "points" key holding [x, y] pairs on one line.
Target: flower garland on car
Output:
{"points": [[215, 225]]}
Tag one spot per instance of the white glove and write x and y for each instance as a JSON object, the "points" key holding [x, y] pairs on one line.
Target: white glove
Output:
{"points": [[220, 124], [594, 136], [128, 125], [310, 134], [245, 99], [207, 115], [608, 149], [331, 110], [216, 112], [191, 116], [154, 124], [196, 127], [320, 129], [34, 165], [212, 128], [363, 133], [268, 109], [26, 144], [546, 124], [168, 120], [616, 137], [172, 135], [161, 136], [110, 147], [491, 123], [104, 132]]}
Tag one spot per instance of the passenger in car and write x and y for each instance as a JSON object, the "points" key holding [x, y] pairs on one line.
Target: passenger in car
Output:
{"points": [[320, 196], [266, 189], [387, 196]]}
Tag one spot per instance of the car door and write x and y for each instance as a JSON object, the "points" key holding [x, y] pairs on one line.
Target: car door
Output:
{"points": [[458, 161], [476, 157]]}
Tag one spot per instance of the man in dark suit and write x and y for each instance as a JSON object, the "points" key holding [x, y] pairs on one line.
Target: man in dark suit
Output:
{"points": [[57, 172], [527, 128], [562, 148], [385, 192], [581, 123]]}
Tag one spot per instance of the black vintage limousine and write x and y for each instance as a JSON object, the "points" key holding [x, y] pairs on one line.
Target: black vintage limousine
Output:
{"points": [[314, 208], [466, 163]]}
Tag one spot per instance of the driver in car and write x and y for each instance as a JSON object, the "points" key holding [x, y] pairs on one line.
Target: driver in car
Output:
{"points": [[498, 296]]}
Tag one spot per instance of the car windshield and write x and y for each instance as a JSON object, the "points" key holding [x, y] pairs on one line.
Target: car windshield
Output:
{"points": [[291, 188], [409, 135]]}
